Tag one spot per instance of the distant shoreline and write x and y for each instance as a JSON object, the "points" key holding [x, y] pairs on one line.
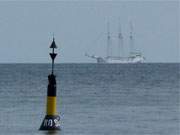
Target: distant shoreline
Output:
{"points": [[97, 63]]}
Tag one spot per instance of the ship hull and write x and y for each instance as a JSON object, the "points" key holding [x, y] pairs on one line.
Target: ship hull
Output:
{"points": [[120, 60]]}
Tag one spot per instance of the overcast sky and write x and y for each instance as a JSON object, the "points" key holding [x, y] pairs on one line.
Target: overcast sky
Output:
{"points": [[26, 29]]}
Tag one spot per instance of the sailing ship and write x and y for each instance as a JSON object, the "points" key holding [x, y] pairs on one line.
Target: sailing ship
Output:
{"points": [[133, 56]]}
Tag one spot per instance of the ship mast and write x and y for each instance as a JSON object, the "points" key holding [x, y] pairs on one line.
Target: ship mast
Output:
{"points": [[108, 41], [120, 42], [131, 39]]}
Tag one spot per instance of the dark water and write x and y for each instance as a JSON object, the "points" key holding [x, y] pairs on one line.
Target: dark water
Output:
{"points": [[119, 99]]}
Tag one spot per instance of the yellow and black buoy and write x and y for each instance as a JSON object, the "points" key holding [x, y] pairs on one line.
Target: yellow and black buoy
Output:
{"points": [[52, 119]]}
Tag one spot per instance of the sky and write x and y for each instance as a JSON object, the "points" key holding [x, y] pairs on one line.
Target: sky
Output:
{"points": [[27, 28]]}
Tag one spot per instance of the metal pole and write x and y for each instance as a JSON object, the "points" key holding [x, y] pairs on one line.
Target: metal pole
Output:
{"points": [[53, 62]]}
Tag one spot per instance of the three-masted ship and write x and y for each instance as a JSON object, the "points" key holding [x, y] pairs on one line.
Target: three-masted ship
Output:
{"points": [[133, 56]]}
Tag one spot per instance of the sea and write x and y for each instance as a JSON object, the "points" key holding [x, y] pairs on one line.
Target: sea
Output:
{"points": [[92, 99]]}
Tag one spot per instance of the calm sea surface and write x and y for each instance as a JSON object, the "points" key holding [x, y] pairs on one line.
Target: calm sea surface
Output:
{"points": [[117, 99]]}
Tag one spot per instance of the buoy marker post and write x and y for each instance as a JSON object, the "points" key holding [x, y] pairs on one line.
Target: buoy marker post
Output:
{"points": [[52, 119]]}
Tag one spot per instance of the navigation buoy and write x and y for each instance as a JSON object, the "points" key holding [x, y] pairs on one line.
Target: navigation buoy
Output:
{"points": [[52, 119]]}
